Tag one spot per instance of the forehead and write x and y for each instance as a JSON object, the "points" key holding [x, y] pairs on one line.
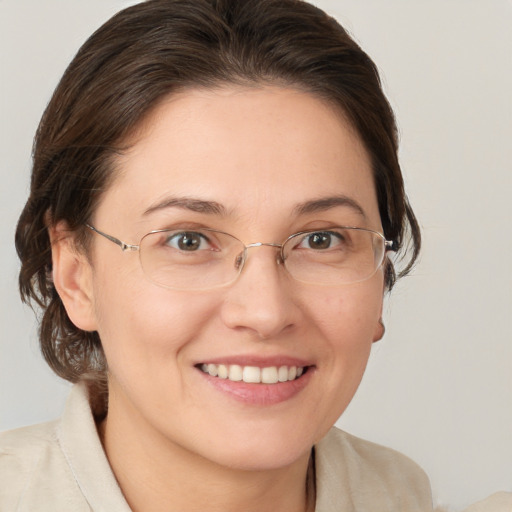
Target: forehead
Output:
{"points": [[259, 150]]}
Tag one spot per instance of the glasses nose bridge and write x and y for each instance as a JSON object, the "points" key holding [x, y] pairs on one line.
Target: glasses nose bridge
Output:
{"points": [[260, 244]]}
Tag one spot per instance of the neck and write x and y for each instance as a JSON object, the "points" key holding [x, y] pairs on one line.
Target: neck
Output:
{"points": [[157, 475]]}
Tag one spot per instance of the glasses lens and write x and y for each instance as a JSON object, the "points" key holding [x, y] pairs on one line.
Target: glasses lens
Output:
{"points": [[190, 259], [334, 256]]}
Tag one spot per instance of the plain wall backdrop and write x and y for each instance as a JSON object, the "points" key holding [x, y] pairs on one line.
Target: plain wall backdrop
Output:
{"points": [[439, 385]]}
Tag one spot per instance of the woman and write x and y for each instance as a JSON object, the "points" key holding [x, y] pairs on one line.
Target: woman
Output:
{"points": [[246, 152]]}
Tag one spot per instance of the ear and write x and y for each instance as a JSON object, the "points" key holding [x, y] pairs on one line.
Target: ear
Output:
{"points": [[72, 277]]}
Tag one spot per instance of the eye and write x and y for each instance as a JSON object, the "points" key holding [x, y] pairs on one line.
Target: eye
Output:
{"points": [[320, 240], [189, 241]]}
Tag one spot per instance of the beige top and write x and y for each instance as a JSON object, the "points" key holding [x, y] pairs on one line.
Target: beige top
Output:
{"points": [[498, 502], [61, 467]]}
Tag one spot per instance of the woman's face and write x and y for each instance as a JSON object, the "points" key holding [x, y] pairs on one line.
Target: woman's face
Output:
{"points": [[257, 154]]}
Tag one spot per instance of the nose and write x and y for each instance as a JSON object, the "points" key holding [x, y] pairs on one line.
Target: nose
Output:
{"points": [[261, 299]]}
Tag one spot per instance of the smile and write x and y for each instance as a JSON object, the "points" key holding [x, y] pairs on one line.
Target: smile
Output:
{"points": [[253, 374]]}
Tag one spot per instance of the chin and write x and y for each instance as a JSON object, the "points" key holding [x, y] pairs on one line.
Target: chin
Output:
{"points": [[261, 458], [260, 449]]}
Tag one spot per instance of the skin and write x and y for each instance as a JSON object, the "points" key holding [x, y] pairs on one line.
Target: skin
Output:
{"points": [[174, 441]]}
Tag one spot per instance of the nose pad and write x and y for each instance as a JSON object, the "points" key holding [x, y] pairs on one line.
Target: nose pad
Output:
{"points": [[240, 259]]}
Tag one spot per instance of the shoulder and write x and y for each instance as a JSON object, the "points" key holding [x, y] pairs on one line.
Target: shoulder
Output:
{"points": [[32, 468], [22, 447], [21, 451], [373, 475], [498, 502]]}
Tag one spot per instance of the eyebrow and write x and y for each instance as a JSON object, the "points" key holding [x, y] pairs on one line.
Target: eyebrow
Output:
{"points": [[188, 203], [214, 208], [326, 203]]}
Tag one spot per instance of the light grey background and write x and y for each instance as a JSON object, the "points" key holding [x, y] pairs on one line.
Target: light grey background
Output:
{"points": [[439, 386]]}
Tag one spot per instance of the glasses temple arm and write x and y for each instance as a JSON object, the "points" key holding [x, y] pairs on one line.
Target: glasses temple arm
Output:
{"points": [[124, 246]]}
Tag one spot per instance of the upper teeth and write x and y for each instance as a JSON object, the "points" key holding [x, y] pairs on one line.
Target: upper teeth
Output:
{"points": [[253, 374]]}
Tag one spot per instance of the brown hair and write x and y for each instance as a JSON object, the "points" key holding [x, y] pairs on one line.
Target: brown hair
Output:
{"points": [[158, 47]]}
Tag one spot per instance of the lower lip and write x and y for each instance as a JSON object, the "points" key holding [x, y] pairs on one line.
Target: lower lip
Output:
{"points": [[260, 394]]}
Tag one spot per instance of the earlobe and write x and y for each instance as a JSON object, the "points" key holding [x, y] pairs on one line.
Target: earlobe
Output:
{"points": [[379, 330], [72, 277]]}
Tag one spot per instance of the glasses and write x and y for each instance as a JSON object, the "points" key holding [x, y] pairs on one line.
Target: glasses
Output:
{"points": [[200, 259]]}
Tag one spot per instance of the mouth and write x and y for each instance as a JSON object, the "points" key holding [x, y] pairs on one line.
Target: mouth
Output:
{"points": [[254, 374]]}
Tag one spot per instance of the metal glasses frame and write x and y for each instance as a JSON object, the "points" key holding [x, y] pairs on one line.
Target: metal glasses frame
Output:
{"points": [[388, 244]]}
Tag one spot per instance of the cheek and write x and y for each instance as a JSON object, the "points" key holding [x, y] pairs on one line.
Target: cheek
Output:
{"points": [[144, 328], [349, 315], [344, 320], [348, 319]]}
